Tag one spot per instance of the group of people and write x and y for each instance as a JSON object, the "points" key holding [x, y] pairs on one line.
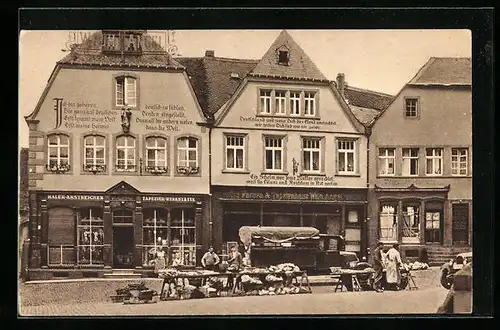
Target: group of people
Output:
{"points": [[391, 262], [209, 261]]}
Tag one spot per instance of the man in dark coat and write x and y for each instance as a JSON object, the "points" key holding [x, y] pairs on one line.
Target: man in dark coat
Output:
{"points": [[378, 266]]}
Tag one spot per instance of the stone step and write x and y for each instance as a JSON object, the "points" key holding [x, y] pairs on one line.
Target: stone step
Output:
{"points": [[116, 276]]}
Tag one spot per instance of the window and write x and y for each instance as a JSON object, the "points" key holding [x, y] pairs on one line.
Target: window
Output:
{"points": [[90, 234], [283, 57], [126, 93], [187, 155], [295, 103], [434, 158], [156, 155], [388, 223], [458, 161], [125, 154], [119, 41], [386, 160], [410, 161], [94, 153], [411, 107], [183, 235], [61, 236], [265, 102], [346, 156], [311, 150], [58, 150], [154, 232], [411, 223], [309, 105], [235, 152], [274, 153], [280, 99]]}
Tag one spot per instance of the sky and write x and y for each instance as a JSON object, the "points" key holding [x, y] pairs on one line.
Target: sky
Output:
{"points": [[379, 60]]}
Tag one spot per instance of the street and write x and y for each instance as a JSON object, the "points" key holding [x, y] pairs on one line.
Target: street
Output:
{"points": [[322, 301]]}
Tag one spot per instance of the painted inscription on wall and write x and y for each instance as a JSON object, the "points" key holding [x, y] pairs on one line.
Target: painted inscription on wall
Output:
{"points": [[289, 180], [154, 117], [293, 196], [287, 123]]}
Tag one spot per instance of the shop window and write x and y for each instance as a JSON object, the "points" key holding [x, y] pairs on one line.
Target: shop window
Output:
{"points": [[125, 154], [346, 156], [280, 102], [273, 147], [156, 155], [154, 233], [434, 161], [90, 233], [235, 152], [309, 104], [459, 162], [126, 91], [311, 151], [386, 161], [353, 217], [388, 223], [265, 101], [187, 155], [94, 153], [411, 223], [183, 235], [295, 103], [61, 236], [410, 161], [433, 222], [58, 153]]}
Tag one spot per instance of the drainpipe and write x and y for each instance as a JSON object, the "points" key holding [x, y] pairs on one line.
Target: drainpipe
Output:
{"points": [[368, 132], [210, 223]]}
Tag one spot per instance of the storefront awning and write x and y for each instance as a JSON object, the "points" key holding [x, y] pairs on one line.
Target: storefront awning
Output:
{"points": [[276, 234]]}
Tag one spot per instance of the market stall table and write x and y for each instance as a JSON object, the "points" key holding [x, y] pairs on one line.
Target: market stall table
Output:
{"points": [[180, 277], [349, 277], [288, 278]]}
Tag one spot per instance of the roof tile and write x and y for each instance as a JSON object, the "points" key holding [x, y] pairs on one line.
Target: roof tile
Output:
{"points": [[445, 71]]}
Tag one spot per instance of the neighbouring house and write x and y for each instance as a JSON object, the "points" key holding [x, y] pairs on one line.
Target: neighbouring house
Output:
{"points": [[118, 161], [420, 158], [23, 234]]}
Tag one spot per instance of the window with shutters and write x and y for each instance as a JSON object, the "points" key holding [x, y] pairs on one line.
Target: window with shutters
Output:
{"points": [[61, 236], [126, 91]]}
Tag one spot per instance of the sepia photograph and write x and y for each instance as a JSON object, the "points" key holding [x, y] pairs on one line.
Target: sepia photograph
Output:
{"points": [[245, 172]]}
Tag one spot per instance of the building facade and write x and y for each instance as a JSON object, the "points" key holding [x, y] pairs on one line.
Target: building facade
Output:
{"points": [[420, 171], [118, 160]]}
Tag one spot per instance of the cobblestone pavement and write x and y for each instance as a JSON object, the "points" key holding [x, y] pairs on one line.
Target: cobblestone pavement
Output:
{"points": [[323, 302]]}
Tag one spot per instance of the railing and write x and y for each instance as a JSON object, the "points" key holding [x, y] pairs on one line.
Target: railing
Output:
{"points": [[61, 255]]}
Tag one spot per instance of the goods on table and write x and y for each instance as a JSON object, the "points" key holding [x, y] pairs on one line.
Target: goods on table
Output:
{"points": [[134, 293], [273, 278], [417, 265], [286, 267], [168, 272]]}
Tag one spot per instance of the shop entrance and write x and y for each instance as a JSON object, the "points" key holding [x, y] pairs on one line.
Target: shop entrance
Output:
{"points": [[123, 247]]}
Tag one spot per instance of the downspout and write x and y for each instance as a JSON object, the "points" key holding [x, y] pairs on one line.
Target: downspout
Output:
{"points": [[368, 133], [210, 223]]}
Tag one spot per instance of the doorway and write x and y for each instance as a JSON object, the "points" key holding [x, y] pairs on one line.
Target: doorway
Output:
{"points": [[460, 224], [123, 247]]}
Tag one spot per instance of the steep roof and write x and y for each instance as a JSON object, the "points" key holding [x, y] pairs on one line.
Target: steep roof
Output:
{"points": [[215, 79], [300, 66], [89, 53], [367, 99], [446, 71]]}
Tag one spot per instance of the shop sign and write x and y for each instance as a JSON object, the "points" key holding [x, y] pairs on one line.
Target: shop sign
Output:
{"points": [[293, 196], [77, 197], [168, 199], [291, 180]]}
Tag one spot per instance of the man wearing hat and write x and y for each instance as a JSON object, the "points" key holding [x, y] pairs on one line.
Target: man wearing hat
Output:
{"points": [[378, 266]]}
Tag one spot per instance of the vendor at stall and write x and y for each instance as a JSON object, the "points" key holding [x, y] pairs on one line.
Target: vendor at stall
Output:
{"points": [[210, 259], [236, 259]]}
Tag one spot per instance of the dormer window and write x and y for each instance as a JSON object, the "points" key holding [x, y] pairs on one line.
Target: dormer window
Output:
{"points": [[283, 57], [121, 41]]}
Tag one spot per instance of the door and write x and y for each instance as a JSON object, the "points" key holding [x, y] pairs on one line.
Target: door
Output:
{"points": [[460, 224], [123, 247], [433, 226]]}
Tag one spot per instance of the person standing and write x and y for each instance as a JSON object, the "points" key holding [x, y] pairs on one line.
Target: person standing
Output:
{"points": [[210, 259], [236, 259], [378, 266], [160, 259], [393, 262]]}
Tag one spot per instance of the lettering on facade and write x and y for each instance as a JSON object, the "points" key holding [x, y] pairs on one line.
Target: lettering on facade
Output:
{"points": [[287, 123], [86, 115], [168, 199], [76, 197], [292, 196], [290, 180], [163, 117]]}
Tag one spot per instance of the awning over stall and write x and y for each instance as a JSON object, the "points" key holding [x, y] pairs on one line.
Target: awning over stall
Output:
{"points": [[276, 234]]}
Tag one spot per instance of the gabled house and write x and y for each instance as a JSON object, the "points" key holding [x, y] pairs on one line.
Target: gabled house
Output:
{"points": [[420, 176], [117, 111], [286, 149]]}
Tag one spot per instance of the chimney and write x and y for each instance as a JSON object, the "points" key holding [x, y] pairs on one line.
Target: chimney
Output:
{"points": [[341, 83], [209, 53]]}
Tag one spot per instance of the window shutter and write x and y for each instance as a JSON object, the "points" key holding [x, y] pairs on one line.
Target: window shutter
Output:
{"points": [[61, 226]]}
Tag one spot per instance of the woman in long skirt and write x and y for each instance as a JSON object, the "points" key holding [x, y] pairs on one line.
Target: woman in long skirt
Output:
{"points": [[160, 259], [393, 262]]}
